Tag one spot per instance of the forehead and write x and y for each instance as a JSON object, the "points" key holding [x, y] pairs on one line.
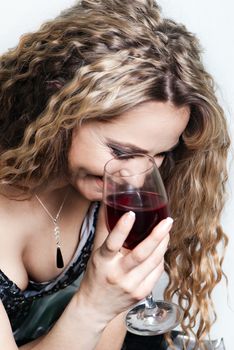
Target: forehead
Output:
{"points": [[153, 126], [160, 112], [150, 123]]}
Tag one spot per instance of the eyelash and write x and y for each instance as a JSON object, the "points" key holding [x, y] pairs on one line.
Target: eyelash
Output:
{"points": [[117, 152]]}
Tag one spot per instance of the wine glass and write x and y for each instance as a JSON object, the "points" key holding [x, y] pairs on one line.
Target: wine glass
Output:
{"points": [[133, 182]]}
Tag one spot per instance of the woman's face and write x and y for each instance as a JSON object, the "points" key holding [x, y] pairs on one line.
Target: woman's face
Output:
{"points": [[152, 127]]}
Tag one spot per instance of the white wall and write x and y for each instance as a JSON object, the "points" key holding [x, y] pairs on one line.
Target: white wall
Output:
{"points": [[212, 21]]}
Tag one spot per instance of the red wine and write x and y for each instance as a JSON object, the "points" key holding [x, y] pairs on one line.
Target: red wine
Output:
{"points": [[150, 208]]}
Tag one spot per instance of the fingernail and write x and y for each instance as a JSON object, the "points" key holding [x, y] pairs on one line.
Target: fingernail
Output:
{"points": [[129, 217], [167, 224]]}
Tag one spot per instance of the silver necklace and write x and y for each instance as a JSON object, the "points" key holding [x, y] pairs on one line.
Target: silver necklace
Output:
{"points": [[57, 231]]}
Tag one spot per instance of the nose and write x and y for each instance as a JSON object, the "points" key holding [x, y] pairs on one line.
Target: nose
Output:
{"points": [[130, 172]]}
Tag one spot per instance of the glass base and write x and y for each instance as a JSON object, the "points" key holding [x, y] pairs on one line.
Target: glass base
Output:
{"points": [[157, 320]]}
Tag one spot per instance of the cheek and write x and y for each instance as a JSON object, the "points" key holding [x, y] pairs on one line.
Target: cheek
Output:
{"points": [[72, 157]]}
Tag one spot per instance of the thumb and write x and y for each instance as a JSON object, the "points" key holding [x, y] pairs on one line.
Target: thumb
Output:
{"points": [[118, 235], [101, 231]]}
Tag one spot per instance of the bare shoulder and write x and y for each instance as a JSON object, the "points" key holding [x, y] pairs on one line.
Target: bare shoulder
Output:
{"points": [[12, 241]]}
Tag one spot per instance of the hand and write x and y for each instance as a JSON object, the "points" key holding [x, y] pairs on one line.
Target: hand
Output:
{"points": [[115, 278]]}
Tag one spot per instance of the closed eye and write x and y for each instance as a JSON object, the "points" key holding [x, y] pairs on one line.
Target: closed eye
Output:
{"points": [[116, 152]]}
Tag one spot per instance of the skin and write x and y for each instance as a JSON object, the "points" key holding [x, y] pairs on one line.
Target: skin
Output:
{"points": [[114, 280], [160, 133]]}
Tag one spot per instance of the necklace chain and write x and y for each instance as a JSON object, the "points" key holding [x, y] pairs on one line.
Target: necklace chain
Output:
{"points": [[54, 219], [57, 231]]}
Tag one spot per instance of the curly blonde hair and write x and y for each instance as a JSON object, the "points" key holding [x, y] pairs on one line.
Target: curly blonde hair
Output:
{"points": [[95, 61]]}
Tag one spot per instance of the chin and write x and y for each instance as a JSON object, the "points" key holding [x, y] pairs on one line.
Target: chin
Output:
{"points": [[92, 196], [89, 189]]}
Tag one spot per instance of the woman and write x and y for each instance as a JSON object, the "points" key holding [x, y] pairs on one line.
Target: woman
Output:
{"points": [[106, 77]]}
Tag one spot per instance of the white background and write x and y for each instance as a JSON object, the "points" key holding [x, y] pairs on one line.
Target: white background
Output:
{"points": [[212, 21]]}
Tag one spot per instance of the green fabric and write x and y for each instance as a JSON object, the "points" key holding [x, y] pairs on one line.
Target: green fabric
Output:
{"points": [[43, 313]]}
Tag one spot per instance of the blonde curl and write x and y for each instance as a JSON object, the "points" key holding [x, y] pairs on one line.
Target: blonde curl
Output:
{"points": [[95, 61]]}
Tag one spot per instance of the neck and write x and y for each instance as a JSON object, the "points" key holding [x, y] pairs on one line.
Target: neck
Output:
{"points": [[52, 198]]}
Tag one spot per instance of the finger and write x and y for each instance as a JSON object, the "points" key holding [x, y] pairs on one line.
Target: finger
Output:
{"points": [[139, 289], [142, 271], [146, 287], [144, 249], [101, 231], [147, 266], [118, 235]]}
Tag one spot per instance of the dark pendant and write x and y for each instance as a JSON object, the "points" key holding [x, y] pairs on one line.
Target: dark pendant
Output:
{"points": [[59, 259]]}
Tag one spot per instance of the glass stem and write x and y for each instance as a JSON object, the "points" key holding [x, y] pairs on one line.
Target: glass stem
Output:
{"points": [[150, 306], [149, 301]]}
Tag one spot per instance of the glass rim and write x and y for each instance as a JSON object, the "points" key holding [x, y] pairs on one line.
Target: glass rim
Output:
{"points": [[130, 155]]}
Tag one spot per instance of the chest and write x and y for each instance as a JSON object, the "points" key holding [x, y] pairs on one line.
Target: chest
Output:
{"points": [[37, 297], [44, 237], [28, 243]]}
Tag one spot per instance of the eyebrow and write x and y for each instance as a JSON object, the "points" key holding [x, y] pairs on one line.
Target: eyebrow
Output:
{"points": [[134, 149]]}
